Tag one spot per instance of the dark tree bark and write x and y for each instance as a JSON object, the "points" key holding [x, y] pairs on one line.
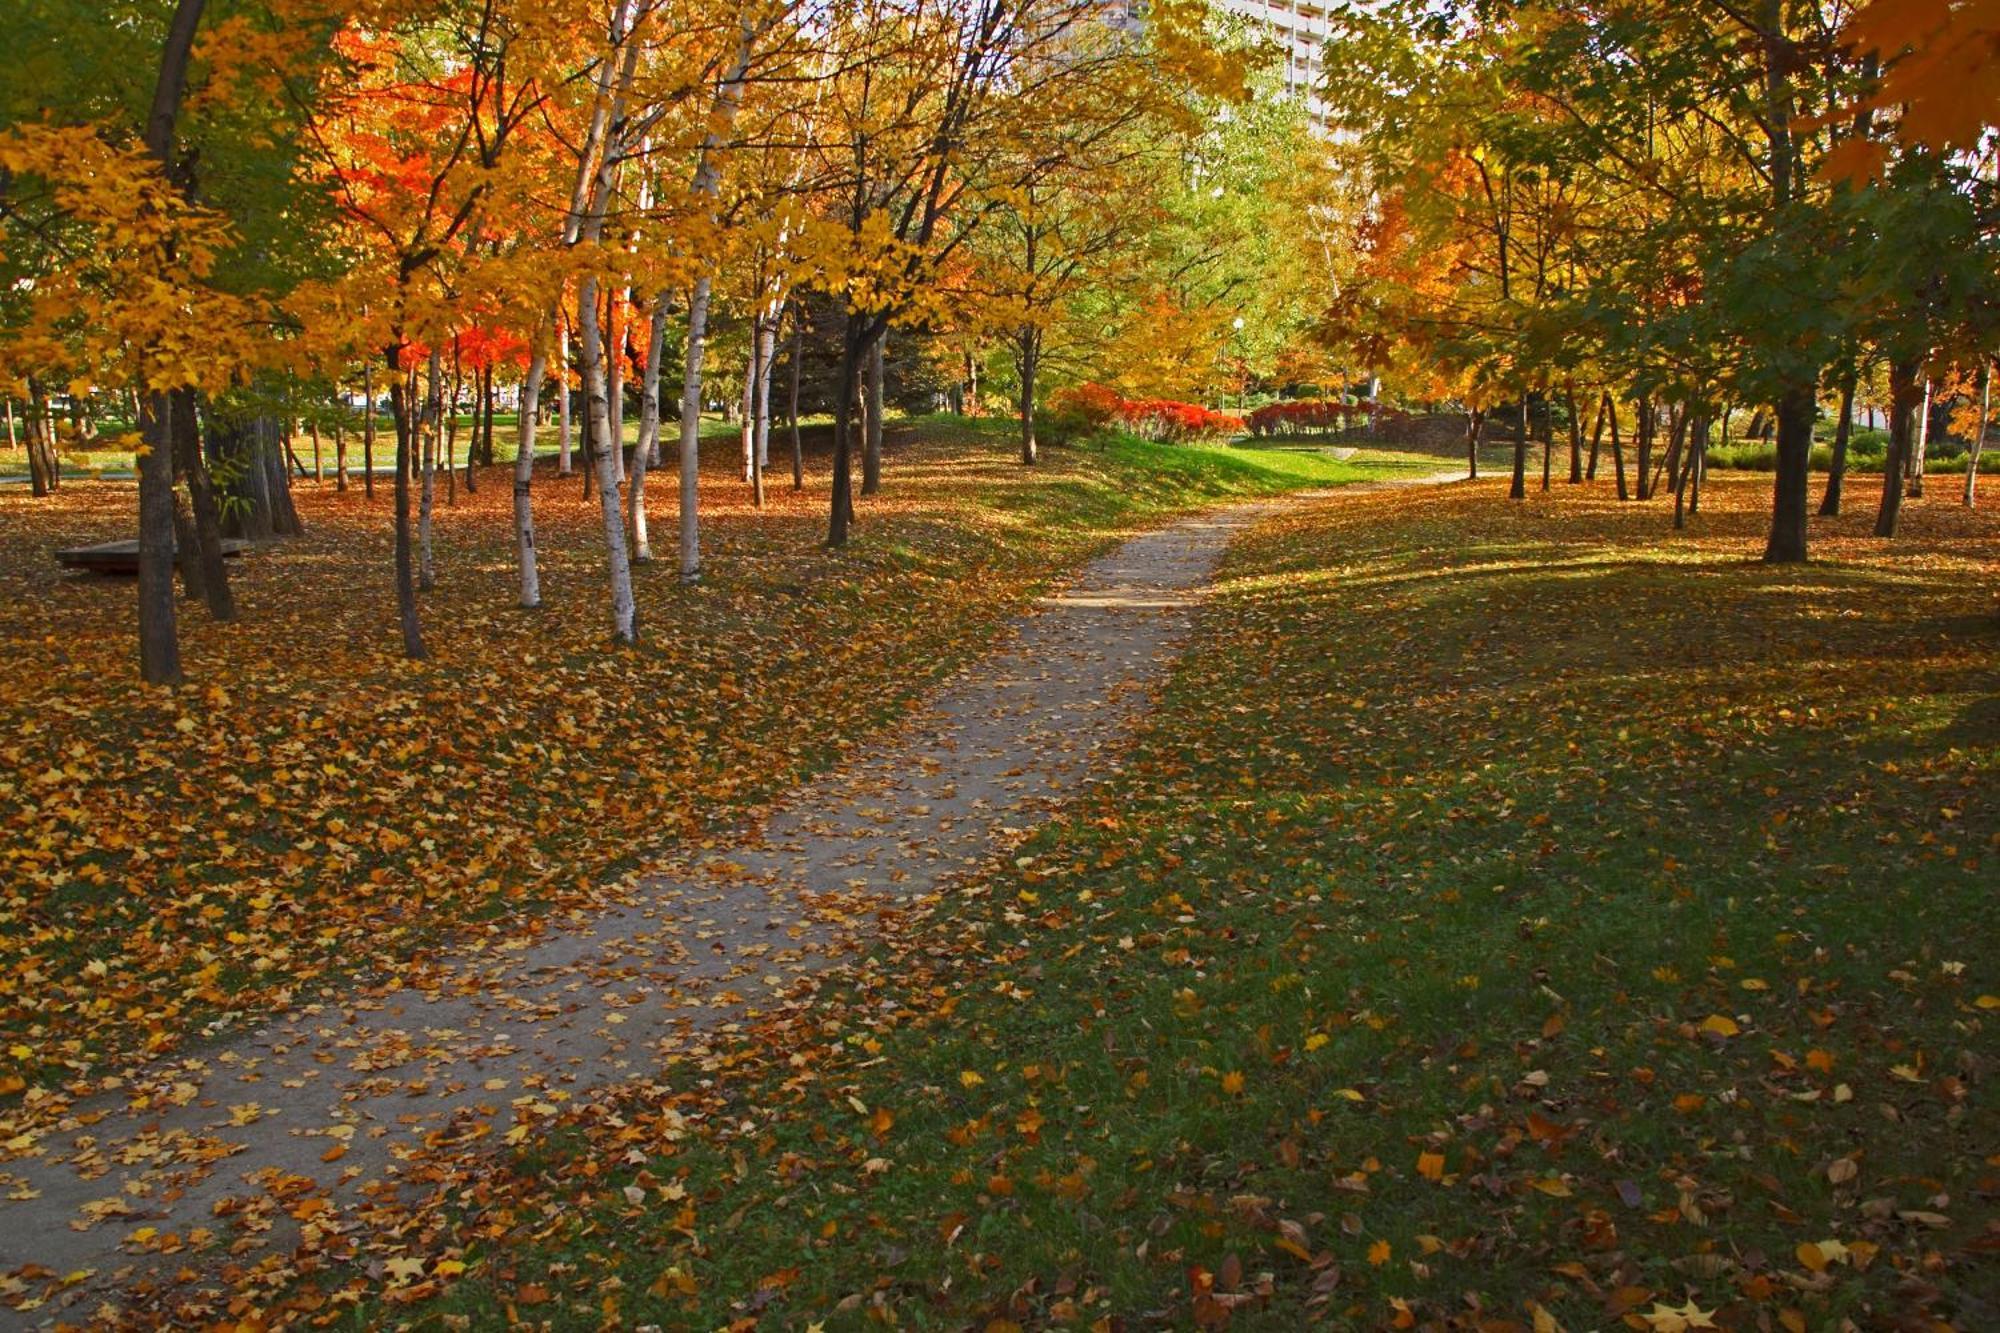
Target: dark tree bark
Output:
{"points": [[278, 483], [1836, 473], [1475, 421], [184, 548], [1798, 400], [44, 466], [1597, 436], [1518, 490], [1905, 394], [1676, 439], [841, 509], [159, 644], [1617, 448], [1646, 424], [1797, 409], [486, 454], [1684, 474], [205, 553]]}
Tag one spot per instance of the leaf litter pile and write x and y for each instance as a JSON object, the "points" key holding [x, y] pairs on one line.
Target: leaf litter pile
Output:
{"points": [[317, 817], [1512, 918]]}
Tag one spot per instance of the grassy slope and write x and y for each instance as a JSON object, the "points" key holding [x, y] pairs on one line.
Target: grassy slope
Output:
{"points": [[220, 847], [1510, 909]]}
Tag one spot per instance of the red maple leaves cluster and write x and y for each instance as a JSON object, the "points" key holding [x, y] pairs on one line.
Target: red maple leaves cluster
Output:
{"points": [[1094, 407]]}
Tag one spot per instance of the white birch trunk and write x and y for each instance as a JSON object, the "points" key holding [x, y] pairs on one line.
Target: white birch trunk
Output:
{"points": [[624, 614], [649, 433], [1921, 449], [433, 438], [614, 383], [767, 352], [749, 431], [562, 401], [1979, 436], [524, 476], [691, 431], [707, 181]]}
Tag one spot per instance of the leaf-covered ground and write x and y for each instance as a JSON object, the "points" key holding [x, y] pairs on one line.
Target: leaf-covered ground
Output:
{"points": [[311, 807], [1514, 917]]}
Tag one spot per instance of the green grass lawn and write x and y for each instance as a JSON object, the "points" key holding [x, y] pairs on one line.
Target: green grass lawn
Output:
{"points": [[1512, 918]]}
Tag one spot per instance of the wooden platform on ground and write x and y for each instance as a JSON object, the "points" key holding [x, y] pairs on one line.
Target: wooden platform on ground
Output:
{"points": [[122, 557]]}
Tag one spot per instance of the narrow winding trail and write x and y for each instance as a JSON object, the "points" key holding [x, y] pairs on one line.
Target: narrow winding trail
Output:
{"points": [[308, 1127]]}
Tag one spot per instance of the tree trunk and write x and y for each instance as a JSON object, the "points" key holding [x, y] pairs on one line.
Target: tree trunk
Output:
{"points": [[284, 512], [1978, 444], [747, 425], [1518, 488], [206, 516], [1836, 473], [1617, 448], [1644, 461], [1026, 342], [614, 384], [524, 475], [340, 452], [1676, 439], [446, 425], [44, 466], [1683, 474], [792, 411], [759, 401], [563, 428], [434, 436], [697, 340], [841, 506], [319, 472], [406, 588], [767, 357], [1475, 420], [1797, 408], [367, 434], [1575, 439], [648, 448], [159, 643], [871, 458], [1698, 464], [185, 549], [487, 455], [1905, 393], [1597, 437], [1919, 454], [596, 389]]}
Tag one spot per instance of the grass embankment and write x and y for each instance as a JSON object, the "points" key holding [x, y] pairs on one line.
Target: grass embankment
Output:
{"points": [[1515, 916], [311, 802]]}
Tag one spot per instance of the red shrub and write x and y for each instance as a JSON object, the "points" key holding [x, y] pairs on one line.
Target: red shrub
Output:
{"points": [[1093, 406]]}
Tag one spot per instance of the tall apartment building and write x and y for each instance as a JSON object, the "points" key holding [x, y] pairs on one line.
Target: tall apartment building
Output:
{"points": [[1300, 29]]}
